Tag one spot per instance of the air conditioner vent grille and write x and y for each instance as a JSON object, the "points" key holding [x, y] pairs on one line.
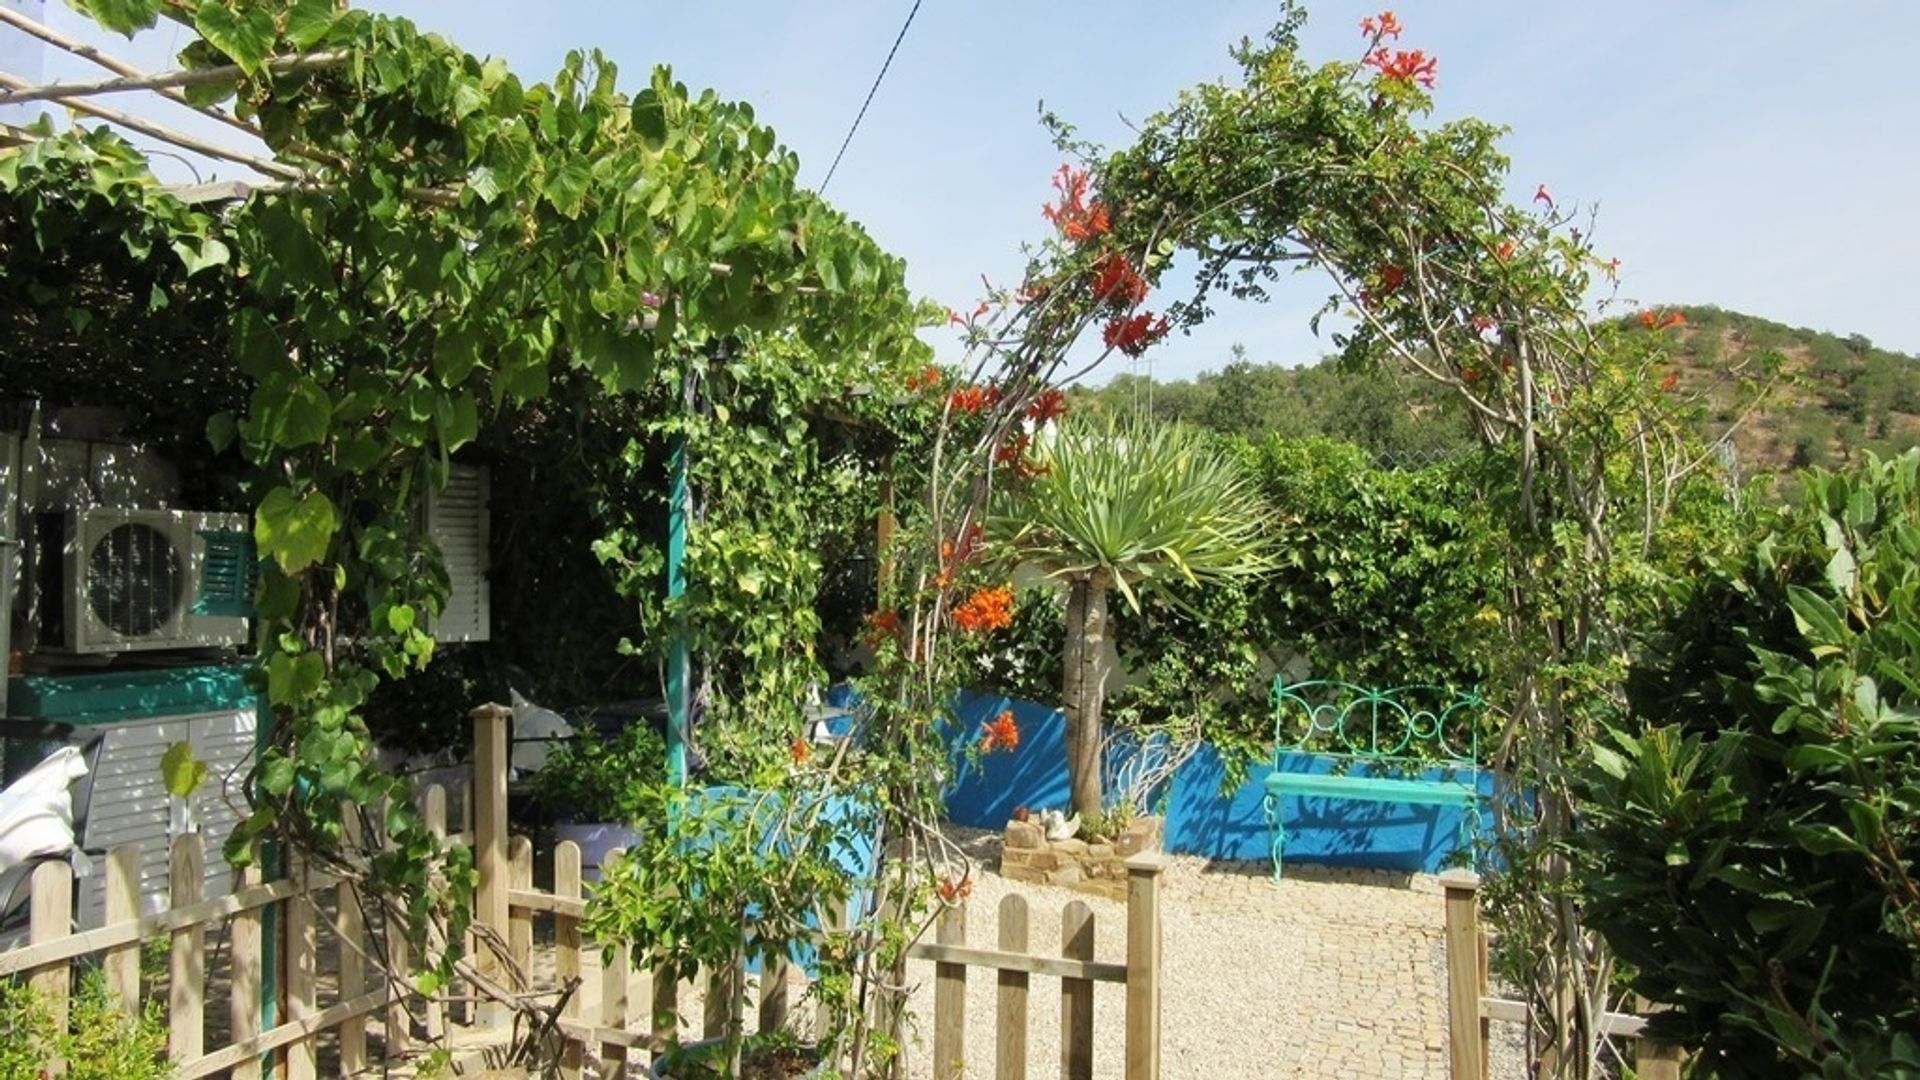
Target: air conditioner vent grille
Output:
{"points": [[134, 580]]}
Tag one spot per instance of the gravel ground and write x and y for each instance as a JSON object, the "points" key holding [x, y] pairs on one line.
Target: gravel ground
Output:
{"points": [[1335, 974]]}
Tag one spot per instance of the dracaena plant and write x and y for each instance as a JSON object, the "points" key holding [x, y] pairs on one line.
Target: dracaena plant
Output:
{"points": [[1122, 504]]}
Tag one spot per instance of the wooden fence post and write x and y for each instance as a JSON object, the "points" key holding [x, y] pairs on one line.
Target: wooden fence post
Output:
{"points": [[613, 990], [303, 975], [775, 969], [950, 1001], [1076, 995], [566, 951], [1010, 1054], [1143, 966], [434, 817], [187, 963], [122, 964], [350, 932], [1655, 1060], [50, 915], [488, 796], [1466, 1052], [246, 957]]}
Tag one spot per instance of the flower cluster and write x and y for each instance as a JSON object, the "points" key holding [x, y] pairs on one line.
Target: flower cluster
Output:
{"points": [[802, 751], [1077, 219], [1385, 24], [1048, 405], [1404, 66], [1001, 733], [973, 399], [927, 378], [1133, 335], [1116, 282], [958, 319], [985, 611], [952, 892], [1013, 454], [1653, 320]]}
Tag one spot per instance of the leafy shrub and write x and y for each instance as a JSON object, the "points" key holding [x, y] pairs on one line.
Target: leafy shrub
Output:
{"points": [[102, 1042], [603, 779], [1752, 854]]}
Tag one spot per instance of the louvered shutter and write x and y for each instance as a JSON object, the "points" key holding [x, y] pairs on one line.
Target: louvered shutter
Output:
{"points": [[226, 574], [457, 522]]}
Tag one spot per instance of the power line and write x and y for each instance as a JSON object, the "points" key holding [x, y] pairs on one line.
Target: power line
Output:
{"points": [[844, 143]]}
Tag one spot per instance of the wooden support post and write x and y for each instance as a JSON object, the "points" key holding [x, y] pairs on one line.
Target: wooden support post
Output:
{"points": [[775, 970], [1466, 1054], [303, 975], [566, 950], [122, 963], [520, 922], [488, 795], [50, 918], [246, 955], [1143, 966], [950, 1001], [350, 931], [613, 991], [1076, 995], [187, 963], [434, 817], [1010, 1055]]}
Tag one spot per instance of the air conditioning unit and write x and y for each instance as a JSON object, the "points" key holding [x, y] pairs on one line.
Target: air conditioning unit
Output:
{"points": [[156, 579]]}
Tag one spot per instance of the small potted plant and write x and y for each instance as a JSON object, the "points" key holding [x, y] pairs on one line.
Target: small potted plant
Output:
{"points": [[722, 875], [592, 786]]}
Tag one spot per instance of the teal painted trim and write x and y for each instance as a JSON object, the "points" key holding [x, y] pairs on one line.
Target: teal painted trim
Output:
{"points": [[677, 660], [1373, 789], [120, 696]]}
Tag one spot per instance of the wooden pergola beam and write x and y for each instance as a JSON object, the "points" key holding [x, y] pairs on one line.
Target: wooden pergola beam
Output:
{"points": [[168, 135], [166, 80], [120, 67]]}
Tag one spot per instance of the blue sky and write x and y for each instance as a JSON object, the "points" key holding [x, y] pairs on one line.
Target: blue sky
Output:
{"points": [[1756, 155]]}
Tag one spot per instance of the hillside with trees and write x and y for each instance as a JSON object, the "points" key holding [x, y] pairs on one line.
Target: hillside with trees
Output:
{"points": [[1831, 398]]}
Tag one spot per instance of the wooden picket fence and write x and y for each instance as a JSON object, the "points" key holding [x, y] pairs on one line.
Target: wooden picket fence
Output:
{"points": [[320, 964], [1471, 1006], [1013, 965]]}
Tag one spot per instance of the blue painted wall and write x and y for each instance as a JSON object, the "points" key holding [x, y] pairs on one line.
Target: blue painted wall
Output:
{"points": [[1201, 819]]}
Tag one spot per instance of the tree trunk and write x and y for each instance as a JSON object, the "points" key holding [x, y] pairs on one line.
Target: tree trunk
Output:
{"points": [[1084, 688]]}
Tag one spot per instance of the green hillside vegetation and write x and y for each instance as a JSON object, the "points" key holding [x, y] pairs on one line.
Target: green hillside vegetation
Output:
{"points": [[1838, 396], [1835, 398]]}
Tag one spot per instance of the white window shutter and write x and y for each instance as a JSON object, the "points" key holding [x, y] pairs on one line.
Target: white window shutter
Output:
{"points": [[457, 522]]}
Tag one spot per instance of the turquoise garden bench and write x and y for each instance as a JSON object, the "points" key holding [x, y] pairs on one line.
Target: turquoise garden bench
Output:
{"points": [[1384, 746]]}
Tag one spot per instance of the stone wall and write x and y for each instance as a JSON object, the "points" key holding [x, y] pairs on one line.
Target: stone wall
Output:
{"points": [[1097, 867]]}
